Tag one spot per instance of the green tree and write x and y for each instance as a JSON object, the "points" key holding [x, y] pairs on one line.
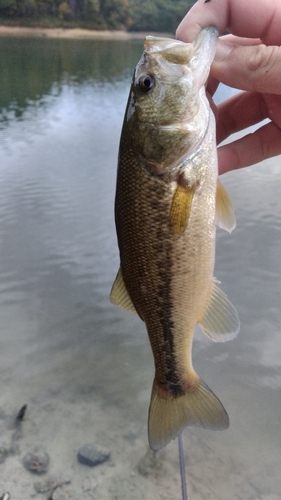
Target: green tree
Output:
{"points": [[138, 15], [8, 7], [158, 15], [115, 13], [27, 8]]}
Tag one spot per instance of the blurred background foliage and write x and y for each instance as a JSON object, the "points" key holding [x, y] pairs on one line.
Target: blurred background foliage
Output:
{"points": [[134, 15]]}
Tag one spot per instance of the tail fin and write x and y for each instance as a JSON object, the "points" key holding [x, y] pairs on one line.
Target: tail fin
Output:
{"points": [[169, 415]]}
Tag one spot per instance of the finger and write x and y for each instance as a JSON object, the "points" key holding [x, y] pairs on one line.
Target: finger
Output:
{"points": [[239, 40], [213, 83], [245, 109], [250, 18], [255, 68], [252, 148], [200, 16]]}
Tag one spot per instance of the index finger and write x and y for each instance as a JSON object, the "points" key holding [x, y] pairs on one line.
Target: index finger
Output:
{"points": [[251, 19]]}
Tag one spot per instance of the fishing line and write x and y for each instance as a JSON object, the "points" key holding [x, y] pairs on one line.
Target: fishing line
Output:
{"points": [[182, 469]]}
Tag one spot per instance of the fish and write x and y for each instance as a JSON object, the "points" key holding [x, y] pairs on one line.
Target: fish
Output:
{"points": [[167, 204]]}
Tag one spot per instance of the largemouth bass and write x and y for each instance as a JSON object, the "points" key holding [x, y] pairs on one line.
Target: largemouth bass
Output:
{"points": [[168, 201]]}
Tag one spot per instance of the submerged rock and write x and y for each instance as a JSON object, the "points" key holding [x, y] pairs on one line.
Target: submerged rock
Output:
{"points": [[152, 464], [37, 461], [89, 485], [60, 494], [51, 484], [92, 455]]}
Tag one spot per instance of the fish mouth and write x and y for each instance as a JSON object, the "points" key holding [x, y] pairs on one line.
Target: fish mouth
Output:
{"points": [[179, 52], [195, 57], [174, 51]]}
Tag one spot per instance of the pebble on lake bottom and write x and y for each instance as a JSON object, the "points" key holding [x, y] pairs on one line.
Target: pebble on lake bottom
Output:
{"points": [[36, 462], [92, 455], [60, 494], [50, 484], [89, 484]]}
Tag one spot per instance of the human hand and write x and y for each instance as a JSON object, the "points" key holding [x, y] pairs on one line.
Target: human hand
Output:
{"points": [[252, 64]]}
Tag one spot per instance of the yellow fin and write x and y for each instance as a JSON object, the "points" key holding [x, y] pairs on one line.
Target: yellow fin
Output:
{"points": [[220, 322], [180, 209], [119, 295], [168, 416], [225, 217]]}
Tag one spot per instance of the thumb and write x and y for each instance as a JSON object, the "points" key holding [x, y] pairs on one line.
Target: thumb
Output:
{"points": [[248, 67]]}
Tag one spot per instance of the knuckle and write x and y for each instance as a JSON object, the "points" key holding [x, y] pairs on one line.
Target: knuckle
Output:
{"points": [[261, 58]]}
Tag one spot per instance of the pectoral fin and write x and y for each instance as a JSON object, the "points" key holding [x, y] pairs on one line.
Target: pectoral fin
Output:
{"points": [[119, 295], [180, 209], [220, 322], [225, 217]]}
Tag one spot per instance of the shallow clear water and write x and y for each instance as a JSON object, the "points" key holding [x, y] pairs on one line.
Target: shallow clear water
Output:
{"points": [[84, 367]]}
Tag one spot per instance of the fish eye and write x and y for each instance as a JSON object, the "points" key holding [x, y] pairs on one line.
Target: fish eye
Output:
{"points": [[146, 82]]}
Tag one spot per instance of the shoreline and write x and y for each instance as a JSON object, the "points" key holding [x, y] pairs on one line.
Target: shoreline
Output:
{"points": [[74, 33]]}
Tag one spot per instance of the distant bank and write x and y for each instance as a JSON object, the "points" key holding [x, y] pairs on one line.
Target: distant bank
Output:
{"points": [[74, 33]]}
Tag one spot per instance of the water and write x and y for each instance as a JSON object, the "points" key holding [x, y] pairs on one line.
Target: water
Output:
{"points": [[84, 367]]}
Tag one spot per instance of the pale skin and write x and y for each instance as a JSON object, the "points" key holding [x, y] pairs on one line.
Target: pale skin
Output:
{"points": [[248, 59]]}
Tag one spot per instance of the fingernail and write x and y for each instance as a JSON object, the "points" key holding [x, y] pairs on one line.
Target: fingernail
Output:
{"points": [[223, 50]]}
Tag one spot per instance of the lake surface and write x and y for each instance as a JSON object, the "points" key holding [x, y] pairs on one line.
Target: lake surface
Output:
{"points": [[83, 367]]}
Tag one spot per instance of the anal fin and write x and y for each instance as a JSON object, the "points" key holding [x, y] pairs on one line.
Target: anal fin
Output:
{"points": [[220, 322], [119, 295]]}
